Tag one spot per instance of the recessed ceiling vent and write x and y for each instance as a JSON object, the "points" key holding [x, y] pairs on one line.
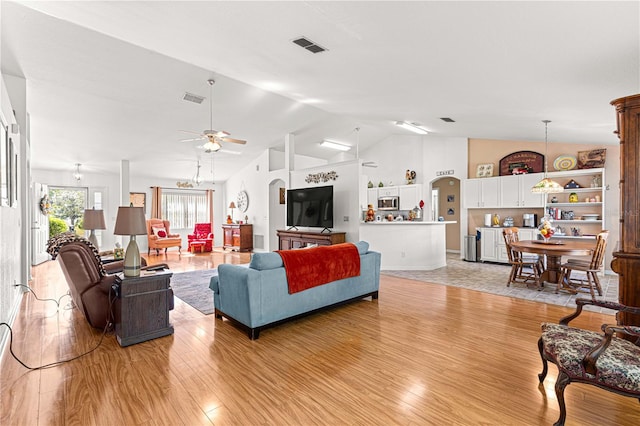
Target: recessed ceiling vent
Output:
{"points": [[193, 98], [448, 120], [311, 46]]}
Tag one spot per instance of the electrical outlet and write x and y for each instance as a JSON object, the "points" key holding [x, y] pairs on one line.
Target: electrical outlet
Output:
{"points": [[346, 218]]}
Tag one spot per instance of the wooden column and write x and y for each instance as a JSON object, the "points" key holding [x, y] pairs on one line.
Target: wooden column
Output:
{"points": [[626, 259]]}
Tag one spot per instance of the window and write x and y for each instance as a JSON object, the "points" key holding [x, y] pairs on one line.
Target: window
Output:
{"points": [[184, 209]]}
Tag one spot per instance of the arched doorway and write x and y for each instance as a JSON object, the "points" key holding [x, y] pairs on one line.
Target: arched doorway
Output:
{"points": [[445, 200]]}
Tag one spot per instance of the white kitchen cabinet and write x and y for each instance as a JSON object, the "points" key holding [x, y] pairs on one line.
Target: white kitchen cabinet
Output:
{"points": [[492, 245], [410, 196], [372, 197], [388, 191], [482, 193], [515, 191], [489, 244]]}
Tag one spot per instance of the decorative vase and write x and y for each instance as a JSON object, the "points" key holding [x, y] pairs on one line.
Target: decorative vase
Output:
{"points": [[573, 197]]}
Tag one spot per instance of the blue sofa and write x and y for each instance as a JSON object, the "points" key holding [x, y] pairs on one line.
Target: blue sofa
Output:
{"points": [[257, 297]]}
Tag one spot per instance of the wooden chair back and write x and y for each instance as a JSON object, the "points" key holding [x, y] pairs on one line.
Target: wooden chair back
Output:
{"points": [[511, 235], [598, 253]]}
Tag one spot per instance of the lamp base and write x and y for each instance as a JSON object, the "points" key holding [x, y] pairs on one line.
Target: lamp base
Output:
{"points": [[132, 259], [94, 239]]}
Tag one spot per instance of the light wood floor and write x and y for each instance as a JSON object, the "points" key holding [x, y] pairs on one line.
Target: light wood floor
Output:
{"points": [[423, 354]]}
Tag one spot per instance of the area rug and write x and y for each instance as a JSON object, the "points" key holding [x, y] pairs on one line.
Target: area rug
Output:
{"points": [[193, 288], [492, 278]]}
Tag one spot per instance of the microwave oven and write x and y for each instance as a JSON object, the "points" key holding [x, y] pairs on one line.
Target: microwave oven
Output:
{"points": [[388, 203]]}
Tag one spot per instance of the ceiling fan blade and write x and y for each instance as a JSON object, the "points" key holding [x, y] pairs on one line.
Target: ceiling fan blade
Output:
{"points": [[232, 140], [190, 131], [193, 140]]}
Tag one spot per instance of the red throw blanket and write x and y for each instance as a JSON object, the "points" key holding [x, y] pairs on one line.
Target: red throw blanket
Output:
{"points": [[306, 268]]}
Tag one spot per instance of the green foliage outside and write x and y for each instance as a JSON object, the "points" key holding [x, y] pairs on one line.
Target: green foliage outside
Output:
{"points": [[68, 204], [57, 226]]}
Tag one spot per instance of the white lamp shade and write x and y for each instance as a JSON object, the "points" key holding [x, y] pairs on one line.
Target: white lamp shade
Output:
{"points": [[130, 221]]}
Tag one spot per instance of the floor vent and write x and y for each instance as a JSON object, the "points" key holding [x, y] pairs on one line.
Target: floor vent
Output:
{"points": [[311, 46], [192, 98]]}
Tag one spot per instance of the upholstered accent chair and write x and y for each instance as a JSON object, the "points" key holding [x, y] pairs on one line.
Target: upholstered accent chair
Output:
{"points": [[160, 236], [590, 268], [201, 234], [605, 360], [525, 268]]}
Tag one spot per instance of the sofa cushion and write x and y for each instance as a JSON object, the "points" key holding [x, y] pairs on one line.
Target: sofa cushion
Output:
{"points": [[265, 261]]}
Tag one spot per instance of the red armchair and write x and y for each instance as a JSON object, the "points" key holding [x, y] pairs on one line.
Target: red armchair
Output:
{"points": [[201, 234]]}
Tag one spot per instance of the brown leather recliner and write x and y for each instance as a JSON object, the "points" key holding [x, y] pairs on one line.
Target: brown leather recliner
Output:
{"points": [[89, 284], [89, 280]]}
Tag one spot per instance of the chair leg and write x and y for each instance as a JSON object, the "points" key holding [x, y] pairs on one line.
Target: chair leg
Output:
{"points": [[591, 284], [542, 375], [561, 382], [597, 281]]}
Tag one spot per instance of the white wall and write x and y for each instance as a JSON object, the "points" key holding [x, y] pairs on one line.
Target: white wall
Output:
{"points": [[12, 250], [346, 195]]}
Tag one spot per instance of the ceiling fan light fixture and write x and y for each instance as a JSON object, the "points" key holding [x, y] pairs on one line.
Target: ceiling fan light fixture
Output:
{"points": [[414, 127], [212, 146], [335, 145]]}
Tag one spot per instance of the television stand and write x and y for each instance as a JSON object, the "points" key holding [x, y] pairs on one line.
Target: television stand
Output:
{"points": [[288, 239]]}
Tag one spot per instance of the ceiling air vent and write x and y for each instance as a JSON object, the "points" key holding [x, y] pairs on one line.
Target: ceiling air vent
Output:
{"points": [[447, 120], [193, 98], [309, 45]]}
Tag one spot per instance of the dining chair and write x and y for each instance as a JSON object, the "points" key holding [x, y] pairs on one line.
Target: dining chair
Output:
{"points": [[590, 268], [519, 261]]}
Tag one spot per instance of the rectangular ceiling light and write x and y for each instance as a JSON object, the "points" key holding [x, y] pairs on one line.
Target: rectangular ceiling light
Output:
{"points": [[335, 145], [412, 126]]}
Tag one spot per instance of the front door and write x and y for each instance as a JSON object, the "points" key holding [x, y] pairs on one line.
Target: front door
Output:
{"points": [[39, 223]]}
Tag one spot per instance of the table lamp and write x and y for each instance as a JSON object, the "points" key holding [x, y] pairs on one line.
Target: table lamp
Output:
{"points": [[130, 221], [232, 206], [93, 219]]}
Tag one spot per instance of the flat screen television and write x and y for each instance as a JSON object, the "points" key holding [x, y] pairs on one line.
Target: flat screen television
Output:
{"points": [[311, 207]]}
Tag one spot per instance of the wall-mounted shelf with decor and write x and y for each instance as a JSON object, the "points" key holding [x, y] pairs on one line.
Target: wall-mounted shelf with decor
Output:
{"points": [[587, 215]]}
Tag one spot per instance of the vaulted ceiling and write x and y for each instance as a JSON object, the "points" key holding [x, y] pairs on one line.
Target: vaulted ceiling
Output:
{"points": [[105, 80]]}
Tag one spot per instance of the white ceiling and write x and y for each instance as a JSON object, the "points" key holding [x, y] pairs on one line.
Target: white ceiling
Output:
{"points": [[105, 79]]}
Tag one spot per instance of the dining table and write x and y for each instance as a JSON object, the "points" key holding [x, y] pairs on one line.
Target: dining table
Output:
{"points": [[553, 250]]}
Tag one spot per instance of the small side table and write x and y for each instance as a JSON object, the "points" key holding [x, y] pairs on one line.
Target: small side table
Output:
{"points": [[142, 307]]}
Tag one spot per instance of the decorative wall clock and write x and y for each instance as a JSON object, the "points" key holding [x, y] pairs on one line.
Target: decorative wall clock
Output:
{"points": [[243, 201]]}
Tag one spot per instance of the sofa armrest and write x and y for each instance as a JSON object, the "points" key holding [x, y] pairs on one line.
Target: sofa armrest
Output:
{"points": [[173, 235], [234, 295]]}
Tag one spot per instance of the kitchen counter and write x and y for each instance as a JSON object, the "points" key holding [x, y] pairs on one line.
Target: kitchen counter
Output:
{"points": [[407, 245], [407, 222]]}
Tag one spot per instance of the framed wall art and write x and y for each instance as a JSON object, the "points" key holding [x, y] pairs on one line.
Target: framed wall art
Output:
{"points": [[13, 173], [592, 159], [484, 170], [138, 199], [4, 165]]}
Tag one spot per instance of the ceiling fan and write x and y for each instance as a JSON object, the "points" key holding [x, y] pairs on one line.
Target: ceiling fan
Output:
{"points": [[214, 138]]}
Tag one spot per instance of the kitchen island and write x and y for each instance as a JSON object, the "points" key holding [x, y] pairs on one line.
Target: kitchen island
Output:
{"points": [[407, 245]]}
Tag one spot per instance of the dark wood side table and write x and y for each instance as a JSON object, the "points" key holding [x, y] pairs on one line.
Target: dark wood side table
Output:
{"points": [[142, 307], [237, 236]]}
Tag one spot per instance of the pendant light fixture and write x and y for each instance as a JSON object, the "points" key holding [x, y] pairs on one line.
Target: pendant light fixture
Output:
{"points": [[197, 179], [546, 185], [76, 174]]}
